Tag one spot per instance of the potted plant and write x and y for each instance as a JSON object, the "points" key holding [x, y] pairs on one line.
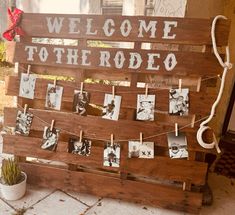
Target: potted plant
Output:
{"points": [[13, 180]]}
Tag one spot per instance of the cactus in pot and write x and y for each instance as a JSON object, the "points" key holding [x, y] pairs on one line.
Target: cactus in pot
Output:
{"points": [[13, 180]]}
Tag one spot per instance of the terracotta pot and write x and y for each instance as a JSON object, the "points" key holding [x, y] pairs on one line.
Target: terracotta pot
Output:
{"points": [[14, 192]]}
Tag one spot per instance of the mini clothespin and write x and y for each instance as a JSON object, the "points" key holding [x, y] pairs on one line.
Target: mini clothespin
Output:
{"points": [[52, 124], [25, 108], [176, 130], [111, 140], [28, 70], [80, 137], [55, 82], [180, 85], [81, 87], [16, 69], [113, 91], [141, 138], [216, 144], [146, 90], [219, 77]]}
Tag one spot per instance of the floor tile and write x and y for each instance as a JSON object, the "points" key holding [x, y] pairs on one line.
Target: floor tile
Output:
{"points": [[5, 209], [32, 196], [117, 207], [85, 198], [57, 203]]}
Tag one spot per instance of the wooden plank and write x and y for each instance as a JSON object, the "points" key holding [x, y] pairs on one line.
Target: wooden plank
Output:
{"points": [[129, 95], [158, 168], [127, 190], [188, 63], [188, 31], [100, 129]]}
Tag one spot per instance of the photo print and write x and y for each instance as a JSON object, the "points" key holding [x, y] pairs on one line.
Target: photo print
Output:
{"points": [[80, 148], [140, 150], [23, 123], [27, 85], [80, 102], [145, 107], [50, 139], [177, 145], [112, 155], [111, 107], [179, 102], [54, 97]]}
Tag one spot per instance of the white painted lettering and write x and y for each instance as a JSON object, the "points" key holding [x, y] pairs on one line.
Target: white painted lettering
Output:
{"points": [[104, 58], [58, 52], [151, 27], [31, 50], [125, 28], [72, 56], [89, 26], [151, 61], [135, 60], [56, 25], [84, 57], [73, 25], [43, 54], [167, 29], [170, 62], [119, 59], [108, 31]]}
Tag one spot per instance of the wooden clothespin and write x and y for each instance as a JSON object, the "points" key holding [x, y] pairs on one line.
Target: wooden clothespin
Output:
{"points": [[141, 138], [81, 87], [193, 121], [176, 130], [146, 90], [111, 140], [113, 91], [80, 137], [28, 70], [25, 108], [180, 85], [16, 69], [55, 80], [52, 124], [216, 144]]}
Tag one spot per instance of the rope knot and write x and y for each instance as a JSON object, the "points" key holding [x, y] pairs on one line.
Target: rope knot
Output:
{"points": [[228, 65]]}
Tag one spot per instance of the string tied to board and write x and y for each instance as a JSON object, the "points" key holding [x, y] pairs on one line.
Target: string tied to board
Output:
{"points": [[227, 65]]}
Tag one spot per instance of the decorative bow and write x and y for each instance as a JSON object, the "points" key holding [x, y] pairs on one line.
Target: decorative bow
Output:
{"points": [[15, 28]]}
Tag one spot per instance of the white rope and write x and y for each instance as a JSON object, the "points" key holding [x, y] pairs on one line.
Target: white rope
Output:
{"points": [[226, 65]]}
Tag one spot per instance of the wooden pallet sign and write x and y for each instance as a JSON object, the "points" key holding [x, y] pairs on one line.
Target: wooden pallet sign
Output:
{"points": [[85, 52]]}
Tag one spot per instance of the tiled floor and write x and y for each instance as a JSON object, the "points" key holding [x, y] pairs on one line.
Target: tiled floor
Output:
{"points": [[41, 201]]}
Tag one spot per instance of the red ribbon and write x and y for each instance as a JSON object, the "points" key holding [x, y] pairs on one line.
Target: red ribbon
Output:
{"points": [[15, 28]]}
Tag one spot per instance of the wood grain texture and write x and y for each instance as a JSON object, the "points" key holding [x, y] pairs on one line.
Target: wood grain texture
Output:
{"points": [[188, 31], [110, 187], [100, 129], [129, 95], [158, 168], [188, 63]]}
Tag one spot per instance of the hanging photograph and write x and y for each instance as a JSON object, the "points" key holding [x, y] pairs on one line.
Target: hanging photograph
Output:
{"points": [[50, 139], [54, 97], [177, 145], [27, 85], [145, 107], [80, 102], [179, 102], [80, 148], [111, 107], [136, 149], [112, 155], [23, 123]]}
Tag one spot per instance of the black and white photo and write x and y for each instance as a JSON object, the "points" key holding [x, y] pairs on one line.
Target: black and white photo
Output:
{"points": [[79, 147], [179, 102], [23, 123], [54, 97], [145, 107], [177, 145], [27, 85], [136, 149], [80, 102], [111, 107], [112, 154], [50, 139]]}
